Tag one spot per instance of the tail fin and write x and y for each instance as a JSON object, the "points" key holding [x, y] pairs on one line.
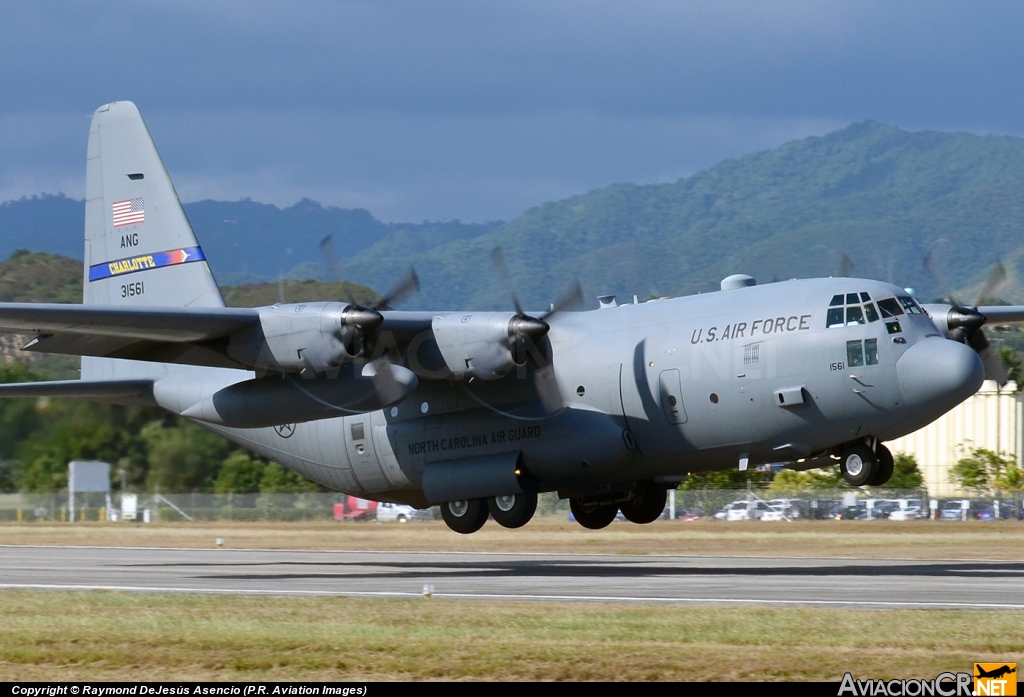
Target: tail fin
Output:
{"points": [[139, 246], [135, 228]]}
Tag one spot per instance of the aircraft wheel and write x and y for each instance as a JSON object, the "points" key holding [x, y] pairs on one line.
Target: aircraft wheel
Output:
{"points": [[591, 515], [513, 511], [885, 466], [465, 517], [647, 504], [858, 465]]}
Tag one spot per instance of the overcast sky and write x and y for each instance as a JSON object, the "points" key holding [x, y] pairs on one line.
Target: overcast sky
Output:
{"points": [[479, 110]]}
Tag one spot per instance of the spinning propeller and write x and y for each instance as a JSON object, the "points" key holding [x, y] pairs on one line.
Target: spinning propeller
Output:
{"points": [[359, 324], [526, 332], [965, 323]]}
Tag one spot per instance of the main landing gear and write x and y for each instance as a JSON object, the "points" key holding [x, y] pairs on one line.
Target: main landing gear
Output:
{"points": [[468, 516], [643, 504], [862, 466]]}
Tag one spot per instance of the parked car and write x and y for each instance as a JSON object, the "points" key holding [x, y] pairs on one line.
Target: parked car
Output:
{"points": [[911, 512], [395, 512], [723, 514], [690, 514], [752, 510]]}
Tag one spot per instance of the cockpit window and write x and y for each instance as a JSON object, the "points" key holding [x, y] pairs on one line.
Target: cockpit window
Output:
{"points": [[890, 308], [853, 313], [910, 305]]}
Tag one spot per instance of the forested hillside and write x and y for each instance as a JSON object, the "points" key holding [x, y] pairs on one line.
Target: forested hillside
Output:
{"points": [[878, 194]]}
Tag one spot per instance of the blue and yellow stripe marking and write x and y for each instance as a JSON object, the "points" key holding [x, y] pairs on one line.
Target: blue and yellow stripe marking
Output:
{"points": [[144, 262]]}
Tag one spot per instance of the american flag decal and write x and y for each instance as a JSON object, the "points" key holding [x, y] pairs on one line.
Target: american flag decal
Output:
{"points": [[131, 211]]}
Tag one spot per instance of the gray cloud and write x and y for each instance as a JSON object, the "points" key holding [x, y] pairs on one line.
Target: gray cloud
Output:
{"points": [[479, 110]]}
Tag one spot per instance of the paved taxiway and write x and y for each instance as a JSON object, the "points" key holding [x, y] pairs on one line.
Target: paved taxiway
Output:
{"points": [[611, 578]]}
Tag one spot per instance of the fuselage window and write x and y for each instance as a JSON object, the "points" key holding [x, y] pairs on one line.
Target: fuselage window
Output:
{"points": [[836, 300], [865, 297], [854, 353], [910, 305], [852, 299], [860, 353], [854, 315], [871, 351], [889, 307], [871, 312], [893, 327]]}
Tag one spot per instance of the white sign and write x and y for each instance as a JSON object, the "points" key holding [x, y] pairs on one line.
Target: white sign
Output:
{"points": [[129, 506], [86, 477]]}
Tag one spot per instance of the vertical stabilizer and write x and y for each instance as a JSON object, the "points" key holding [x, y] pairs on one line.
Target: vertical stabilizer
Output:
{"points": [[139, 246]]}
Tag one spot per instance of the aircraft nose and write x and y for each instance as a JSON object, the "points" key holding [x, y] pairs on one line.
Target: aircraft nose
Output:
{"points": [[937, 374]]}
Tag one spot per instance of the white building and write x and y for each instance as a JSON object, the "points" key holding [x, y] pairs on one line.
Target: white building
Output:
{"points": [[993, 419]]}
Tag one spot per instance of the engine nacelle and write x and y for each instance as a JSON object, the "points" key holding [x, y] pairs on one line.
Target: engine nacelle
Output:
{"points": [[475, 345], [297, 337]]}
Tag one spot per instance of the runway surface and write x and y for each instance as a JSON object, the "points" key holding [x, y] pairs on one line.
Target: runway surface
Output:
{"points": [[876, 583]]}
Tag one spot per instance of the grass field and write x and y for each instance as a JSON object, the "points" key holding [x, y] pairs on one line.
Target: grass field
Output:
{"points": [[1002, 540], [112, 636], [123, 636]]}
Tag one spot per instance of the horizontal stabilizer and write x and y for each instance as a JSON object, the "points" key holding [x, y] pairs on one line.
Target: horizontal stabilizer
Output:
{"points": [[138, 392]]}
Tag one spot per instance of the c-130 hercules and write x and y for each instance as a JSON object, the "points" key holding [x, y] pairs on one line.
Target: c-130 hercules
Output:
{"points": [[481, 411]]}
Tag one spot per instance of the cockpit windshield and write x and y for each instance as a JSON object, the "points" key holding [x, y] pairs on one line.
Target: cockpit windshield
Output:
{"points": [[848, 309]]}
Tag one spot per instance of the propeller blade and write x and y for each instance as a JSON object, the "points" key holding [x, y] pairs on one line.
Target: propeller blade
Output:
{"points": [[845, 265], [995, 368], [388, 389], [571, 298], [328, 250], [498, 257], [545, 383], [408, 284], [994, 281]]}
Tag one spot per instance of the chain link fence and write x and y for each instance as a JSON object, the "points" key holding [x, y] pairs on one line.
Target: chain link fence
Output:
{"points": [[692, 504]]}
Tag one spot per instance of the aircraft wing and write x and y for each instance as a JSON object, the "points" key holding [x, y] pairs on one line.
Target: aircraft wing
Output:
{"points": [[1002, 314], [138, 392], [167, 334]]}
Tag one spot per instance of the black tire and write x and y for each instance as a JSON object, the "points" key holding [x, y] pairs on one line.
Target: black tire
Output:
{"points": [[512, 511], [885, 466], [858, 465], [465, 517], [591, 515], [645, 505]]}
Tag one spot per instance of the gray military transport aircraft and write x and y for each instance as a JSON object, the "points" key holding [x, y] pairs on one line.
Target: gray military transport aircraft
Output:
{"points": [[481, 411]]}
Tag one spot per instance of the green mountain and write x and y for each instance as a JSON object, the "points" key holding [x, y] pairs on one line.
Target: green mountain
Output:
{"points": [[878, 194]]}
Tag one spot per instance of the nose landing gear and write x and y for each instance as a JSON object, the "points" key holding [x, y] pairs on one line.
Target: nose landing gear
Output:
{"points": [[860, 465]]}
